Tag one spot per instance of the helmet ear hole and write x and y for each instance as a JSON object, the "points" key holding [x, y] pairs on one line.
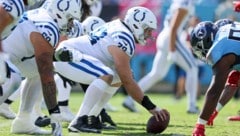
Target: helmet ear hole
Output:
{"points": [[59, 16], [135, 26]]}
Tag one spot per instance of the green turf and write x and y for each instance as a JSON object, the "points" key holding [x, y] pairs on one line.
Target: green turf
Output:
{"points": [[134, 124]]}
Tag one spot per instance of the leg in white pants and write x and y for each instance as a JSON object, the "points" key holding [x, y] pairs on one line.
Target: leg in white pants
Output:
{"points": [[24, 122]]}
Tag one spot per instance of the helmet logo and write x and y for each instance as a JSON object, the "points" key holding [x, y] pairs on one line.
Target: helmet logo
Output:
{"points": [[201, 33], [94, 22], [135, 16], [62, 6]]}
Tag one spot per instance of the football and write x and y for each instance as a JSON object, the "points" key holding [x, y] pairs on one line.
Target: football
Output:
{"points": [[154, 126]]}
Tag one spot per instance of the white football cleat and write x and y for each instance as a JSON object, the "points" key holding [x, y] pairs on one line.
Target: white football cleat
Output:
{"points": [[109, 107], [129, 104], [66, 114], [24, 126], [6, 112]]}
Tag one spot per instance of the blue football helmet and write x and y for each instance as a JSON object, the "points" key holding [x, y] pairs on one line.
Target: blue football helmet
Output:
{"points": [[222, 22], [202, 37]]}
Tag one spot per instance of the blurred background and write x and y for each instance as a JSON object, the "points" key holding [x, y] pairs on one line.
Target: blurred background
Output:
{"points": [[205, 10]]}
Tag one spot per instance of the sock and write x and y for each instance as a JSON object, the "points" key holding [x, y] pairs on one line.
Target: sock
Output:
{"points": [[191, 87], [107, 95], [63, 92], [54, 110], [93, 94], [63, 103], [219, 107], [8, 101], [201, 121]]}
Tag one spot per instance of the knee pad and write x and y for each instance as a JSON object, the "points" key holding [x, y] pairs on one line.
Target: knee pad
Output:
{"points": [[233, 78]]}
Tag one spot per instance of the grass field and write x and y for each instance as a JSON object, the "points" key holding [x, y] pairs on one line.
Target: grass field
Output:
{"points": [[134, 124]]}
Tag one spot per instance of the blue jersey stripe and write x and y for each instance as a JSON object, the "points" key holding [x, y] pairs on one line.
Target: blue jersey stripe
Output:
{"points": [[52, 28], [94, 66], [83, 69], [55, 31], [126, 37], [19, 6], [86, 62]]}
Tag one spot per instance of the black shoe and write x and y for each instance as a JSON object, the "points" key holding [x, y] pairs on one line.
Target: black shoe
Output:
{"points": [[42, 121], [107, 122], [85, 124]]}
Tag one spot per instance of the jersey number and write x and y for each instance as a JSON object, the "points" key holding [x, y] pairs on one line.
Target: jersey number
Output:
{"points": [[6, 7], [45, 35], [234, 34], [97, 35]]}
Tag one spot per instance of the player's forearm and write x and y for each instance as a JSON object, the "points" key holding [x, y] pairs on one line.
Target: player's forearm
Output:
{"points": [[48, 90], [45, 68], [134, 90]]}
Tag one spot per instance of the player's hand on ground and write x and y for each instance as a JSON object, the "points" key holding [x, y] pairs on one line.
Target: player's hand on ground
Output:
{"points": [[160, 114], [56, 124]]}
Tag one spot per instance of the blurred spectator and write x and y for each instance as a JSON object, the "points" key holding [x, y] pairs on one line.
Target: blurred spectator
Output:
{"points": [[225, 10]]}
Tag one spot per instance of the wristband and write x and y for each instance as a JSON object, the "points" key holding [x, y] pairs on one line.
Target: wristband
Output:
{"points": [[147, 103]]}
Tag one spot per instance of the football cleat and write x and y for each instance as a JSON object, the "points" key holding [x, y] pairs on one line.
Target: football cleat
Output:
{"points": [[66, 114], [199, 130], [129, 104], [89, 124], [194, 110], [107, 122], [236, 6], [212, 117], [6, 112], [234, 118], [42, 121], [109, 107], [24, 126]]}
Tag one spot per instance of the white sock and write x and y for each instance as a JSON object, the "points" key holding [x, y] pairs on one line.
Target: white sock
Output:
{"points": [[191, 87], [219, 107], [15, 95], [93, 93], [63, 92], [201, 121], [30, 92], [107, 95]]}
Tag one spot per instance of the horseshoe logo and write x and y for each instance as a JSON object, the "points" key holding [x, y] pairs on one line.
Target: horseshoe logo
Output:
{"points": [[137, 11]]}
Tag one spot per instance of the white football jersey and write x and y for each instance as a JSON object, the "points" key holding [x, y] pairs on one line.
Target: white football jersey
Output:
{"points": [[18, 44], [176, 4], [44, 24], [112, 33], [15, 8]]}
